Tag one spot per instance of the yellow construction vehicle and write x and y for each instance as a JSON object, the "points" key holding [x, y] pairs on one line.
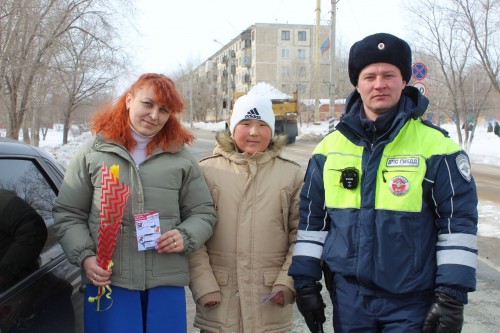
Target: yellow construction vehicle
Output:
{"points": [[285, 113]]}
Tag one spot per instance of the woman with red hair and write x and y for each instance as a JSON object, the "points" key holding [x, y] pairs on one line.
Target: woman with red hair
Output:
{"points": [[142, 134]]}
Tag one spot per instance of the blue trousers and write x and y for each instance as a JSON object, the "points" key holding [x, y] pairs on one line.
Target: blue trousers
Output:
{"points": [[160, 309], [355, 313]]}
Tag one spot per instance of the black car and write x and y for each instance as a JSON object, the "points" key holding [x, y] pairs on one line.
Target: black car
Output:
{"points": [[49, 298]]}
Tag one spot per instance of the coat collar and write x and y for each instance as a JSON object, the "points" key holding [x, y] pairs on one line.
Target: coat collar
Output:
{"points": [[226, 147]]}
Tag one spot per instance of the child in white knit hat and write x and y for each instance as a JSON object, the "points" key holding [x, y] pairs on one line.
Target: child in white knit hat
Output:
{"points": [[253, 118], [256, 195]]}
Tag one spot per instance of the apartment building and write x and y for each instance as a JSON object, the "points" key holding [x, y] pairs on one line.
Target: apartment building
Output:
{"points": [[282, 55]]}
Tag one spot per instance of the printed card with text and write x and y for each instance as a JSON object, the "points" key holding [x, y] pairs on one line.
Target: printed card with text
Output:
{"points": [[148, 230]]}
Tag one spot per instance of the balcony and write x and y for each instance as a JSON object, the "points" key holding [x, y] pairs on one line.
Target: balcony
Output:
{"points": [[247, 62]]}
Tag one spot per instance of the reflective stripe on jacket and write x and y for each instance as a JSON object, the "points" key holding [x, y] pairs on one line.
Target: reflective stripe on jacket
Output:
{"points": [[410, 224]]}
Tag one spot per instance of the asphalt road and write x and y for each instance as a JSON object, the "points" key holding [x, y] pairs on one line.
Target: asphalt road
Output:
{"points": [[482, 314]]}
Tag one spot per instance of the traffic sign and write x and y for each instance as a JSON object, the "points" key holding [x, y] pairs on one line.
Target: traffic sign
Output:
{"points": [[419, 71], [421, 87]]}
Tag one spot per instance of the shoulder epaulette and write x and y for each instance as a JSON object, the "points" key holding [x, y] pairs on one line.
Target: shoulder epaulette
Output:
{"points": [[209, 157], [287, 160], [428, 123]]}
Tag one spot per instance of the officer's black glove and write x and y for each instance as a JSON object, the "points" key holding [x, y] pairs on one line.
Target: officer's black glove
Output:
{"points": [[446, 315], [311, 306]]}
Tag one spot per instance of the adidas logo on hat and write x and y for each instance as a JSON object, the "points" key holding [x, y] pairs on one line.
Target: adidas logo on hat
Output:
{"points": [[253, 114]]}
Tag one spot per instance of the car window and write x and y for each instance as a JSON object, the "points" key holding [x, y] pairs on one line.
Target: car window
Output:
{"points": [[25, 178]]}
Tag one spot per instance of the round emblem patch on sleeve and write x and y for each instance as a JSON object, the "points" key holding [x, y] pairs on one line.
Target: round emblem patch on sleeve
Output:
{"points": [[463, 166]]}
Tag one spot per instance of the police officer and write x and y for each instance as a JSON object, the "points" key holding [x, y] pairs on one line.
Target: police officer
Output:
{"points": [[389, 205]]}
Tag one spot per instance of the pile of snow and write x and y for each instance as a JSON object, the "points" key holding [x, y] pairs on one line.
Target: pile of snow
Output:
{"points": [[268, 91]]}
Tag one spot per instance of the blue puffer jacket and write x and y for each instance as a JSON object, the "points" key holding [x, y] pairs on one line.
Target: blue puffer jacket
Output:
{"points": [[410, 224]]}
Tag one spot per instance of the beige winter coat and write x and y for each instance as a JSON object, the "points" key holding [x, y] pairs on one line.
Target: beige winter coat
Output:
{"points": [[257, 203]]}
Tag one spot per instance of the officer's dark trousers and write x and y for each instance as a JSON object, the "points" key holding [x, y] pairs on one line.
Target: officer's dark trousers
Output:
{"points": [[354, 313]]}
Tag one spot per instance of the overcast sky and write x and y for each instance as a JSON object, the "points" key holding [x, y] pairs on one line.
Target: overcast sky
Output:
{"points": [[182, 32]]}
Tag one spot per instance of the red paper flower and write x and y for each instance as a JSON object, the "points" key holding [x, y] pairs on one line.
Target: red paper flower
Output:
{"points": [[114, 195]]}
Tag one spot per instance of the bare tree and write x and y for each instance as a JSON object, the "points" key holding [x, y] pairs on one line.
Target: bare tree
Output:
{"points": [[32, 29], [37, 116], [481, 20], [478, 88], [30, 37], [200, 89], [87, 65], [441, 36], [205, 98]]}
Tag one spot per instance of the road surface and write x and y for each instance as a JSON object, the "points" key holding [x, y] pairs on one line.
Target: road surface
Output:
{"points": [[482, 314]]}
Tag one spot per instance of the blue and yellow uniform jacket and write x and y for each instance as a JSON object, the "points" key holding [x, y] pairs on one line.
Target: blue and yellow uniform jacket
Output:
{"points": [[398, 212]]}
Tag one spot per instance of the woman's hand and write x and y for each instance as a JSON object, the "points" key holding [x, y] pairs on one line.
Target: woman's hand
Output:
{"points": [[98, 276], [170, 242]]}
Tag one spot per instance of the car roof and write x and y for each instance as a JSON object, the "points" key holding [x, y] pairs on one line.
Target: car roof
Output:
{"points": [[13, 148]]}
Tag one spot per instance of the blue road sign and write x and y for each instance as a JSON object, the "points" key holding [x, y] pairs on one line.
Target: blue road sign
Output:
{"points": [[419, 71]]}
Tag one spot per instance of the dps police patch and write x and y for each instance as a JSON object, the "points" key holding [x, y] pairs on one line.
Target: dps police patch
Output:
{"points": [[463, 166]]}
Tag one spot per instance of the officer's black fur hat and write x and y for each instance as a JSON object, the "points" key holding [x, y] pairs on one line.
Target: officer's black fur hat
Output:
{"points": [[381, 47]]}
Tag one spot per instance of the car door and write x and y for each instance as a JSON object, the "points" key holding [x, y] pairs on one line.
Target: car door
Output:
{"points": [[48, 297]]}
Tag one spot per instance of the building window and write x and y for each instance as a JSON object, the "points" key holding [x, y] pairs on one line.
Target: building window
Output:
{"points": [[302, 71], [284, 71], [301, 53], [301, 88], [302, 36], [284, 88], [285, 53], [285, 34]]}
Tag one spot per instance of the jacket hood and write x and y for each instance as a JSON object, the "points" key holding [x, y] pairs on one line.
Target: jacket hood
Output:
{"points": [[225, 146]]}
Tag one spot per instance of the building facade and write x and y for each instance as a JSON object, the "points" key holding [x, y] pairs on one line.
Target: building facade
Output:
{"points": [[286, 56]]}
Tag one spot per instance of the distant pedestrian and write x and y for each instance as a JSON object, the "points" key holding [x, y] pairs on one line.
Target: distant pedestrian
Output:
{"points": [[490, 128], [497, 129]]}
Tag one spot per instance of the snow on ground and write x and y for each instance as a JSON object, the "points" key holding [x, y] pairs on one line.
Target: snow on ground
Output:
{"points": [[484, 150]]}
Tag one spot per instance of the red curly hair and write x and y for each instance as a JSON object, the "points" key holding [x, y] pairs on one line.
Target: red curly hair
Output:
{"points": [[113, 121]]}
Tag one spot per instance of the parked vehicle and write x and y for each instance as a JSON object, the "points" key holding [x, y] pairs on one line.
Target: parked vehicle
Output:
{"points": [[48, 299]]}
